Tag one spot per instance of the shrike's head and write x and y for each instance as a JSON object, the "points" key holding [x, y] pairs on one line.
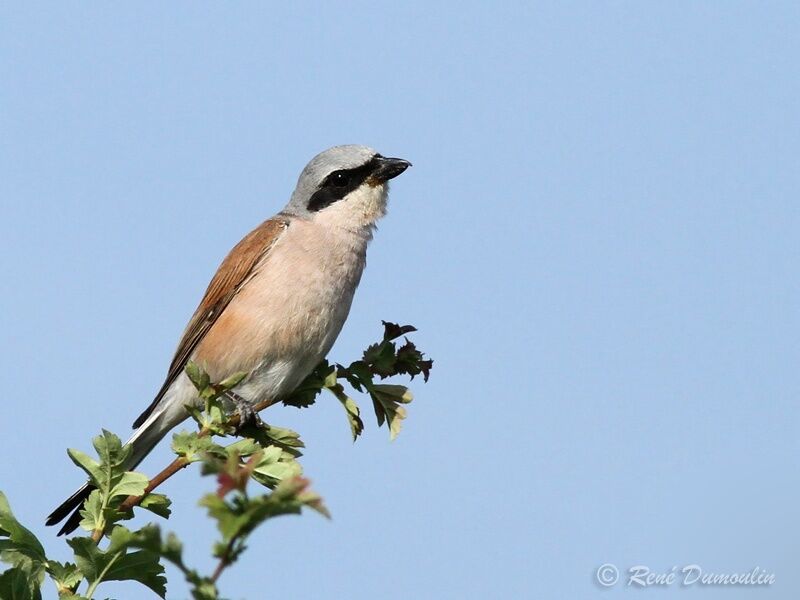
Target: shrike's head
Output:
{"points": [[345, 185]]}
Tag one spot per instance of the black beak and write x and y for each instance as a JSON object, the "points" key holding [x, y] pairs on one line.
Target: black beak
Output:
{"points": [[389, 168]]}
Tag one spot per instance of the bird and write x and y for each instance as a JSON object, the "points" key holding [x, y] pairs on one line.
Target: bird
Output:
{"points": [[278, 300]]}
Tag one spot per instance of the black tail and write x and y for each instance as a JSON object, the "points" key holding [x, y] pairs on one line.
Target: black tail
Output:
{"points": [[73, 505]]}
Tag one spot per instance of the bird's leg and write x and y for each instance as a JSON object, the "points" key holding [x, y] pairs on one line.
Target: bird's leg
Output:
{"points": [[247, 415]]}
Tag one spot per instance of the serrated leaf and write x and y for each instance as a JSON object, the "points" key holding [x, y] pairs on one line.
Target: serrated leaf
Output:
{"points": [[349, 376], [66, 576], [197, 376], [149, 538], [243, 447], [20, 548], [351, 410], [381, 358], [270, 475], [237, 517], [285, 438], [193, 447], [92, 512], [215, 413], [116, 563], [360, 370], [305, 394], [425, 367], [111, 466], [386, 400], [269, 455], [275, 465], [15, 584], [141, 566], [182, 442], [130, 483], [88, 464], [110, 450], [409, 361], [158, 504], [396, 393], [86, 557]]}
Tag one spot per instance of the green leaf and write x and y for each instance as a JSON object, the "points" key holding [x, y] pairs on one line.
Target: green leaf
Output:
{"points": [[296, 491], [205, 590], [396, 393], [16, 584], [111, 468], [117, 563], [88, 558], [88, 464], [216, 416], [212, 415], [285, 438], [157, 503], [271, 475], [330, 377], [92, 512], [306, 393], [129, 484], [182, 442], [243, 447], [387, 400], [360, 372], [110, 450], [141, 566], [197, 376], [149, 538], [238, 517], [381, 358], [193, 447], [410, 361], [275, 465], [351, 410], [20, 548], [66, 576]]}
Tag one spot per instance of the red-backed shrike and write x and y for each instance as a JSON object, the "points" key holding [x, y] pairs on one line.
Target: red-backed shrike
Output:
{"points": [[278, 301]]}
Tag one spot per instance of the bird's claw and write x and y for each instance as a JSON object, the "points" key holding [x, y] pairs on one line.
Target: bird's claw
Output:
{"points": [[247, 414]]}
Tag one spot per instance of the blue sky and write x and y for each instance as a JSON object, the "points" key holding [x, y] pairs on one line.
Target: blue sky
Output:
{"points": [[598, 242]]}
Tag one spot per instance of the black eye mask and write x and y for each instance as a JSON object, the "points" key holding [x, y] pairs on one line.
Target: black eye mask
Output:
{"points": [[340, 183]]}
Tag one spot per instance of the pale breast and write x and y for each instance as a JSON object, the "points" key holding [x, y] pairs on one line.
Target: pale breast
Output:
{"points": [[287, 316]]}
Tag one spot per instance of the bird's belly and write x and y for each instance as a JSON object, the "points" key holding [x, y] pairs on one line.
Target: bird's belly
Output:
{"points": [[293, 348], [285, 318]]}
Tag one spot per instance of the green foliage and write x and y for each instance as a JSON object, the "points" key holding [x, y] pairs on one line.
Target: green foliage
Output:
{"points": [[262, 454], [118, 562], [19, 548], [380, 360]]}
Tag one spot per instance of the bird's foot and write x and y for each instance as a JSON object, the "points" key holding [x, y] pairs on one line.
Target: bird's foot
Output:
{"points": [[247, 415]]}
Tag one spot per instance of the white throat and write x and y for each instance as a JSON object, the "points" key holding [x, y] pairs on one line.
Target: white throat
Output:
{"points": [[358, 212]]}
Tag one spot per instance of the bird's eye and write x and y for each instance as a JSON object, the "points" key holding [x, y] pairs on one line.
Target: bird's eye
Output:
{"points": [[340, 179]]}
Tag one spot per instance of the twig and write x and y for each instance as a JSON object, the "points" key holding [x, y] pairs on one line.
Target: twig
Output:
{"points": [[224, 560], [181, 462]]}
